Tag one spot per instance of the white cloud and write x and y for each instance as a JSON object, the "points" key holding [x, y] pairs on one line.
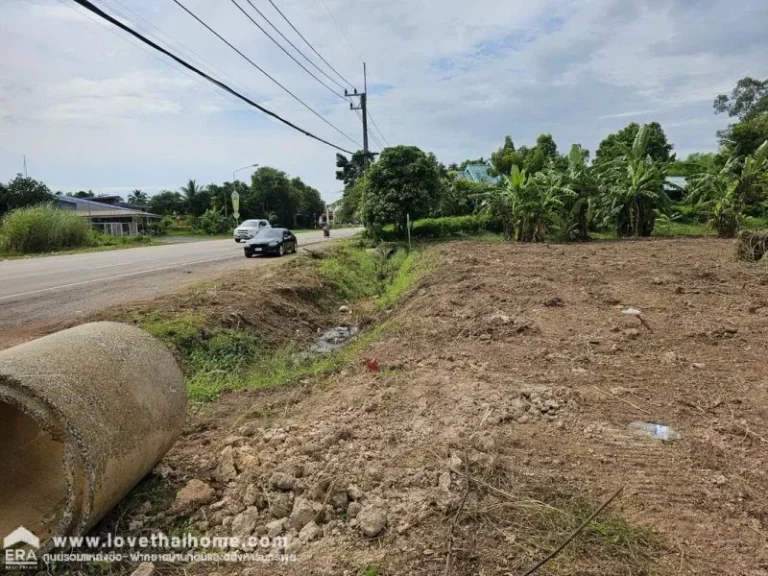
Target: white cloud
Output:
{"points": [[93, 109]]}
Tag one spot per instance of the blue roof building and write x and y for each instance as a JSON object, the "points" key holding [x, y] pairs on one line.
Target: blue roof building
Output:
{"points": [[479, 174]]}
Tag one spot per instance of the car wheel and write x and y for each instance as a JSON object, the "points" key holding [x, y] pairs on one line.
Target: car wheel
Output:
{"points": [[237, 240], [280, 251], [249, 254]]}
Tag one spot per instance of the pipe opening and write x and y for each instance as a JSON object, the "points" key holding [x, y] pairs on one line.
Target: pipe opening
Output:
{"points": [[32, 475]]}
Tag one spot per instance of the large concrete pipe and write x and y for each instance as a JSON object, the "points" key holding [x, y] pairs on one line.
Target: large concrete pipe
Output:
{"points": [[85, 413]]}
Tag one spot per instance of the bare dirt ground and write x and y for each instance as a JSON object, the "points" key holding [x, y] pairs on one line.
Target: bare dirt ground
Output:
{"points": [[515, 365]]}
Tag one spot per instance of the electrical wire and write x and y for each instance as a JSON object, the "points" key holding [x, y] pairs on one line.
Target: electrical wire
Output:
{"points": [[260, 69], [308, 43], [171, 42], [99, 12], [286, 51], [370, 117], [284, 37]]}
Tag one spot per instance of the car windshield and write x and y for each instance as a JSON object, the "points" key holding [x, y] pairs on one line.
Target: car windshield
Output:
{"points": [[250, 224], [270, 233]]}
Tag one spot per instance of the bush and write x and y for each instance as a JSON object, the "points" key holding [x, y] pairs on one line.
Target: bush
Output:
{"points": [[212, 222], [43, 228], [752, 246], [448, 227]]}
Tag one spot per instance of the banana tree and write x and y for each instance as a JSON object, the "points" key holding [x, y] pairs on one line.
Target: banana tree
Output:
{"points": [[633, 190], [724, 194]]}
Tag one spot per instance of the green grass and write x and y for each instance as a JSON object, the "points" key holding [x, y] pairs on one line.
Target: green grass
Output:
{"points": [[218, 359]]}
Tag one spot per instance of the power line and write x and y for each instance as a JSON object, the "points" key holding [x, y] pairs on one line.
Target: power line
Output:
{"points": [[170, 42], [377, 127], [260, 69], [99, 12], [285, 51], [284, 37], [307, 41], [354, 50]]}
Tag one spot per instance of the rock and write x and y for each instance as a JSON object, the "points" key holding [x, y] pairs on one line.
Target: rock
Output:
{"points": [[632, 333], [144, 569], [670, 357], [372, 521], [245, 523], [500, 318], [303, 513], [310, 532], [280, 506], [698, 366], [162, 470], [454, 462], [555, 302], [276, 527], [345, 310], [444, 482], [719, 480], [354, 493], [293, 546], [282, 481], [254, 497], [195, 494], [354, 509], [339, 500], [226, 470], [485, 337]]}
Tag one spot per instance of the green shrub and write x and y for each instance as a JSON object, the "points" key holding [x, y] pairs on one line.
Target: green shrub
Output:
{"points": [[212, 222], [448, 227], [43, 228]]}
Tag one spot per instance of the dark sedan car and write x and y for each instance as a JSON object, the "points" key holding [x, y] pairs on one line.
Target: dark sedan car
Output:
{"points": [[277, 241]]}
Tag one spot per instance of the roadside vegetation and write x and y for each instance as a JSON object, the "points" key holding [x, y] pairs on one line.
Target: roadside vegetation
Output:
{"points": [[535, 193], [241, 349], [44, 228]]}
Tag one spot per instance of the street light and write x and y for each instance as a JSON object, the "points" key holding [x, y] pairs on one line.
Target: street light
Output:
{"points": [[243, 168], [235, 196]]}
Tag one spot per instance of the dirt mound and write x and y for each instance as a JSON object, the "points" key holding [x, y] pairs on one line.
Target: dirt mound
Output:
{"points": [[499, 420]]}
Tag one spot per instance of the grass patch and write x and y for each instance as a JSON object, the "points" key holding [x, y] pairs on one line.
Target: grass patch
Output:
{"points": [[217, 358]]}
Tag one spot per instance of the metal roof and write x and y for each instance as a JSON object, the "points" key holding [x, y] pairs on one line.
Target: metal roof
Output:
{"points": [[478, 173], [90, 209]]}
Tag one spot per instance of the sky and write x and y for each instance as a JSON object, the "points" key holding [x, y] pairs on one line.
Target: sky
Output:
{"points": [[92, 108]]}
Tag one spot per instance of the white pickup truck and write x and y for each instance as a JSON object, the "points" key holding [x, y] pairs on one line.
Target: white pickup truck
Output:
{"points": [[249, 229]]}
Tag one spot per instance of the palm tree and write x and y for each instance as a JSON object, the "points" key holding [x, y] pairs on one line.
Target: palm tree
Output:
{"points": [[138, 197], [725, 193], [193, 198], [634, 189]]}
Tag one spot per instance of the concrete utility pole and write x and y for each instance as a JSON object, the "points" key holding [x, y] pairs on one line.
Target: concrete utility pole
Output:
{"points": [[363, 106]]}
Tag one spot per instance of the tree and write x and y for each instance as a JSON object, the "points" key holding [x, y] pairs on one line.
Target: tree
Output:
{"points": [[21, 192], [616, 145], [138, 197], [505, 157], [272, 193], [167, 203], [725, 193], [633, 186], [310, 204], [747, 100], [196, 198], [350, 170], [582, 190], [82, 194], [404, 180]]}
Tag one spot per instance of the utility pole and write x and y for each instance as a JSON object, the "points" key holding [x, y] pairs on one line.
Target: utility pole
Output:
{"points": [[363, 106], [25, 166]]}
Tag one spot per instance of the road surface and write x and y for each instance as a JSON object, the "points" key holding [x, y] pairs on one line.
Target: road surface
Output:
{"points": [[36, 293]]}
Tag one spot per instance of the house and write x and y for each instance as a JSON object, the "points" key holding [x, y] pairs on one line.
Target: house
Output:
{"points": [[479, 174], [109, 219]]}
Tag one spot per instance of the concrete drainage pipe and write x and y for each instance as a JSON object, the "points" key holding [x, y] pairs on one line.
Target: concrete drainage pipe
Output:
{"points": [[84, 414]]}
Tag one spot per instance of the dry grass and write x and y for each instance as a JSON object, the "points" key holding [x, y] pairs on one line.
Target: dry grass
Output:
{"points": [[752, 246]]}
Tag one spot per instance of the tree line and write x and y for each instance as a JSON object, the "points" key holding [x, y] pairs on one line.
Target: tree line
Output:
{"points": [[271, 194], [536, 191]]}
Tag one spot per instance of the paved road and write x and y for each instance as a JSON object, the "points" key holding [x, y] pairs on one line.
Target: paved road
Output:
{"points": [[40, 292]]}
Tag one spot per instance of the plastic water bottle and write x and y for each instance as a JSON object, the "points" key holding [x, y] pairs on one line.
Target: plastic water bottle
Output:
{"points": [[657, 431]]}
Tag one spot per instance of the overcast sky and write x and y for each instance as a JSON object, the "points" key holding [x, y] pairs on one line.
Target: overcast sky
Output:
{"points": [[92, 109]]}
